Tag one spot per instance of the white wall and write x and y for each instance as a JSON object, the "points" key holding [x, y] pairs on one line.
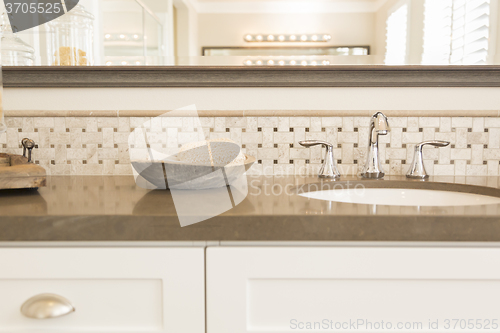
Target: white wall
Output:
{"points": [[186, 29], [308, 99]]}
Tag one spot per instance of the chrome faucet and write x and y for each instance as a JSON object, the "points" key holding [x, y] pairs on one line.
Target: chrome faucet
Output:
{"points": [[329, 168], [378, 126], [417, 169]]}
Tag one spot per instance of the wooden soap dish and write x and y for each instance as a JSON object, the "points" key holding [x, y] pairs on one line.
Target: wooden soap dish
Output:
{"points": [[18, 172]]}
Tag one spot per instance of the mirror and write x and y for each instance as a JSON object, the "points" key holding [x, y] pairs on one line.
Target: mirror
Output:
{"points": [[262, 33]]}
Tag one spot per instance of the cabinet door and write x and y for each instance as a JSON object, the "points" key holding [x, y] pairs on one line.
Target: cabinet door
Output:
{"points": [[113, 290], [318, 289]]}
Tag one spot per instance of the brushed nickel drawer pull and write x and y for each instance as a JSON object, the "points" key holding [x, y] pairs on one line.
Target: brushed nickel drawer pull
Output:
{"points": [[45, 306]]}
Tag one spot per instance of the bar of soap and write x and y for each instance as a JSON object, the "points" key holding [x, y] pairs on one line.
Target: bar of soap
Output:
{"points": [[216, 152], [70, 56]]}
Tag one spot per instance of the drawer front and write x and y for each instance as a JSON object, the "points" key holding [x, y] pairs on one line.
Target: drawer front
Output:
{"points": [[112, 289], [353, 290]]}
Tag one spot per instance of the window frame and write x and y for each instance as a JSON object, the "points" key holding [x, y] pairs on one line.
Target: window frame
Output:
{"points": [[390, 11]]}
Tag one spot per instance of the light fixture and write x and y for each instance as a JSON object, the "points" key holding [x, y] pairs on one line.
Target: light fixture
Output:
{"points": [[124, 63], [137, 62], [109, 63], [273, 38], [121, 37], [284, 62]]}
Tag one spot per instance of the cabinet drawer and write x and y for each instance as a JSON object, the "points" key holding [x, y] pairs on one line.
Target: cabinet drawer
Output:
{"points": [[353, 289], [112, 289]]}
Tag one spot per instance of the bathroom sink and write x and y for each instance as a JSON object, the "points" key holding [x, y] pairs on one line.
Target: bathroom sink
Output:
{"points": [[402, 197]]}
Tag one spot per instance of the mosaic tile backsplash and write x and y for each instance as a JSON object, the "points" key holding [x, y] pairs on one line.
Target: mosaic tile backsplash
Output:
{"points": [[99, 145]]}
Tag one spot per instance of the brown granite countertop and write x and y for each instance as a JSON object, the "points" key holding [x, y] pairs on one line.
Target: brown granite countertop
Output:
{"points": [[113, 208]]}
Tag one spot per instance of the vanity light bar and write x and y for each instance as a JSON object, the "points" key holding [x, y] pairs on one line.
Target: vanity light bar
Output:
{"points": [[123, 37], [285, 62], [297, 38]]}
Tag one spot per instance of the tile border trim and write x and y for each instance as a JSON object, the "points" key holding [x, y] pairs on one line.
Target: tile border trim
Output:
{"points": [[255, 113]]}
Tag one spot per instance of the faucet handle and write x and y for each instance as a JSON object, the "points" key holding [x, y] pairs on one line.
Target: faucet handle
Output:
{"points": [[417, 169], [329, 168], [435, 143], [310, 143]]}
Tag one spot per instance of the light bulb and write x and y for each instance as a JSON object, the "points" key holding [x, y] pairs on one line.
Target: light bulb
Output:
{"points": [[122, 36], [248, 37], [270, 62], [259, 38], [293, 62], [326, 62], [107, 36], [124, 63], [248, 62], [314, 38], [293, 37], [136, 36], [270, 37], [109, 63], [281, 38], [327, 37], [314, 63], [304, 63], [137, 62], [303, 38], [258, 62], [281, 62]]}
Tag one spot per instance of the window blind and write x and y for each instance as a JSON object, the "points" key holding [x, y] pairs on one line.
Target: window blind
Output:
{"points": [[456, 32]]}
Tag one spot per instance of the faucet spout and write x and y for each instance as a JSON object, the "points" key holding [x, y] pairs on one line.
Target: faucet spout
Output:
{"points": [[379, 125]]}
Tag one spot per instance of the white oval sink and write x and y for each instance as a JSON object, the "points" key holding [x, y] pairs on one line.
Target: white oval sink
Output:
{"points": [[402, 197]]}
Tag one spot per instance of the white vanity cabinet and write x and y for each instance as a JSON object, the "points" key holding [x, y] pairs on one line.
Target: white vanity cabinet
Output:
{"points": [[254, 289], [328, 289], [113, 290]]}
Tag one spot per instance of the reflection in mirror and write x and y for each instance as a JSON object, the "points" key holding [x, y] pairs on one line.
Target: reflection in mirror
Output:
{"points": [[262, 33], [133, 34]]}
